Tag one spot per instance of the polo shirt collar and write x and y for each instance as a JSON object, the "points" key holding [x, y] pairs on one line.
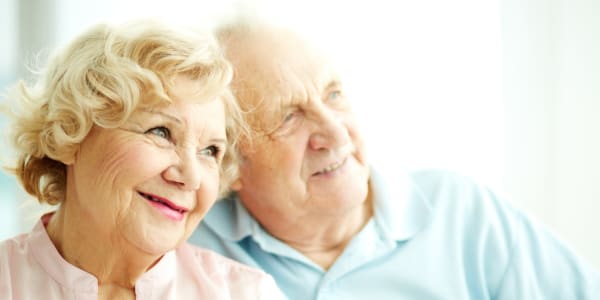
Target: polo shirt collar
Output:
{"points": [[160, 276], [230, 219], [401, 210]]}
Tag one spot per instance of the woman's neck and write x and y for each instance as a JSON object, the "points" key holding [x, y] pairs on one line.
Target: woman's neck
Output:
{"points": [[110, 259]]}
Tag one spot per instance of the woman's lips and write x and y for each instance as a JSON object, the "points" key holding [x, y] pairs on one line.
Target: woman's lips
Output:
{"points": [[166, 207]]}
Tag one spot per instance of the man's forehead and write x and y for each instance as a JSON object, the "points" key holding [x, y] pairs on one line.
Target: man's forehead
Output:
{"points": [[276, 69], [284, 80], [289, 91], [273, 52], [266, 112]]}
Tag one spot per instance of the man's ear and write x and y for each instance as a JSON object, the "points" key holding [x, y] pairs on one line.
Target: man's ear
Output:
{"points": [[236, 185]]}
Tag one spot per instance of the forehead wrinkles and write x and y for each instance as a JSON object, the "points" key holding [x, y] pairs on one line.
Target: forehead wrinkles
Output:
{"points": [[273, 70], [272, 99], [270, 92]]}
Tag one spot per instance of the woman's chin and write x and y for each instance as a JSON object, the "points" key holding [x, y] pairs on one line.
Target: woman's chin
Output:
{"points": [[158, 243]]}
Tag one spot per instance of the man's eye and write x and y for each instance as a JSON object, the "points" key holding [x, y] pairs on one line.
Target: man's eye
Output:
{"points": [[160, 131], [334, 95]]}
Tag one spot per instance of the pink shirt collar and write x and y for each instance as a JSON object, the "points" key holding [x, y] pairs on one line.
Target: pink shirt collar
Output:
{"points": [[72, 277]]}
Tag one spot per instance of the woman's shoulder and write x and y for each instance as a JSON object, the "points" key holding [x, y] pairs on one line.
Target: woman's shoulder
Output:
{"points": [[16, 265], [226, 276], [13, 248], [215, 263]]}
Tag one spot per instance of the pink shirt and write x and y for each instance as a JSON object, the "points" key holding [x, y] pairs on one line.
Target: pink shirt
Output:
{"points": [[32, 268]]}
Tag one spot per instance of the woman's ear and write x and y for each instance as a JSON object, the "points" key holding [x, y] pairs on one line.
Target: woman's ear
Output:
{"points": [[70, 159], [67, 159]]}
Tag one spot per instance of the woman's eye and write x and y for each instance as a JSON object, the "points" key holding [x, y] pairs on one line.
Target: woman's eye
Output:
{"points": [[212, 151], [289, 117], [160, 131]]}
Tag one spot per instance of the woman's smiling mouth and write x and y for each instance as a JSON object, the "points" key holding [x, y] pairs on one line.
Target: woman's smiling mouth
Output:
{"points": [[166, 207]]}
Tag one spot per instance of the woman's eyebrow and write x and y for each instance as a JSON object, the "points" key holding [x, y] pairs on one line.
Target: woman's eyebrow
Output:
{"points": [[164, 114], [170, 116], [218, 141]]}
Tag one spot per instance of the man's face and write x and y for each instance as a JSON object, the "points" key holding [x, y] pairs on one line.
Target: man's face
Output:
{"points": [[307, 159]]}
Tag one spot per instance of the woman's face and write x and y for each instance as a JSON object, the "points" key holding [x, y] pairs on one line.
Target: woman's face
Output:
{"points": [[148, 183]]}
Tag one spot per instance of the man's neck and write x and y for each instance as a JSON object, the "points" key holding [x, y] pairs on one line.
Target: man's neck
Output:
{"points": [[323, 238]]}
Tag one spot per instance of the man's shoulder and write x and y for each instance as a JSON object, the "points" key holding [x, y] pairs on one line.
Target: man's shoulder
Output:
{"points": [[451, 193], [431, 179], [426, 180], [437, 185]]}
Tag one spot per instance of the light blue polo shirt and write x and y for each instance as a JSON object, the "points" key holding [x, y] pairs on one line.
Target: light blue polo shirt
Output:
{"points": [[434, 235]]}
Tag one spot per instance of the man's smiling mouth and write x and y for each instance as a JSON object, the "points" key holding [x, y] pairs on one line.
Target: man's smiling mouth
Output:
{"points": [[331, 168]]}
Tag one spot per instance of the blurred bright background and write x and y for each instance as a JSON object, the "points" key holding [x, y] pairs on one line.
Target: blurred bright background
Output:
{"points": [[505, 91]]}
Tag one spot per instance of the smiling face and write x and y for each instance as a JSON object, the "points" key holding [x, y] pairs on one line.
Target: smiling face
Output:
{"points": [[307, 159], [148, 183]]}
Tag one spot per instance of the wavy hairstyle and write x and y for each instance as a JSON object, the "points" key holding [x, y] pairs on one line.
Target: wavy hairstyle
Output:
{"points": [[103, 76]]}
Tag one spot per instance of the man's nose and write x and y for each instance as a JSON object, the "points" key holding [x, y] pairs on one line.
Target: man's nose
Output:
{"points": [[330, 130]]}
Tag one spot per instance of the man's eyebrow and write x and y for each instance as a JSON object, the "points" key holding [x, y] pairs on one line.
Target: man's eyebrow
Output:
{"points": [[333, 83]]}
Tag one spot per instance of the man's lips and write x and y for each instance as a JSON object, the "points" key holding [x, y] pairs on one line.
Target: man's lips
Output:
{"points": [[331, 168], [164, 202]]}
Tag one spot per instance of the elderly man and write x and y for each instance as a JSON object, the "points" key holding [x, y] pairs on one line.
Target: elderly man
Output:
{"points": [[310, 210]]}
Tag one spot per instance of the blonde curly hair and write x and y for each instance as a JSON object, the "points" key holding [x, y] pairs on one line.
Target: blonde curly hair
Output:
{"points": [[103, 76]]}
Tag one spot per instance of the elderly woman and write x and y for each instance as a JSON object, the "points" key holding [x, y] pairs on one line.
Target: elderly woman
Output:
{"points": [[128, 135]]}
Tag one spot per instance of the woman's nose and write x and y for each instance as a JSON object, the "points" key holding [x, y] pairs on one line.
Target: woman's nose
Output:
{"points": [[186, 172]]}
